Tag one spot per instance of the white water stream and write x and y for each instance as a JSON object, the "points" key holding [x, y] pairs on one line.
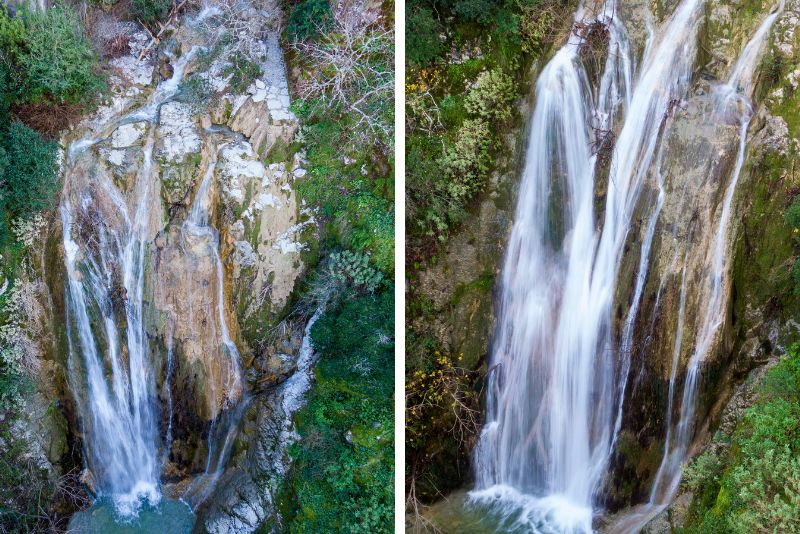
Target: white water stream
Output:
{"points": [[558, 378]]}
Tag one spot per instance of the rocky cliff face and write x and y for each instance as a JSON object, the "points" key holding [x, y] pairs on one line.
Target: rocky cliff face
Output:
{"points": [[758, 319]]}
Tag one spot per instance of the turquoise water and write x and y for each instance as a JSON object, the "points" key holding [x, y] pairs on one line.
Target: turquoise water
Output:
{"points": [[453, 516], [170, 516]]}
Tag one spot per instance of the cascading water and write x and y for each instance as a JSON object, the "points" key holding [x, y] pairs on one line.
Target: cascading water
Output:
{"points": [[197, 235], [108, 235], [558, 376], [105, 255]]}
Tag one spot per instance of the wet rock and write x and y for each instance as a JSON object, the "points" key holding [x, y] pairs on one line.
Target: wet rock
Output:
{"points": [[773, 137], [275, 362], [178, 151], [188, 289], [87, 478], [672, 518], [178, 135]]}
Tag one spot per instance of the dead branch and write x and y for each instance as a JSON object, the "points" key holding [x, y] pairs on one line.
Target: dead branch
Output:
{"points": [[171, 24], [352, 68]]}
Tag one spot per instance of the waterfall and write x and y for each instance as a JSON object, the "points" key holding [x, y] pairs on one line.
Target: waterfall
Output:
{"points": [[107, 236], [119, 419], [196, 233], [558, 376]]}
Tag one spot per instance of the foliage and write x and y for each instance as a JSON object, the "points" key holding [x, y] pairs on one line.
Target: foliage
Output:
{"points": [[53, 60], [477, 10], [792, 218], [308, 19], [353, 269], [538, 24], [350, 72], [344, 99], [30, 172], [468, 160], [352, 192], [342, 477], [195, 90], [755, 486], [20, 330], [150, 11], [492, 96], [342, 275], [423, 44], [244, 71], [439, 402], [704, 470]]}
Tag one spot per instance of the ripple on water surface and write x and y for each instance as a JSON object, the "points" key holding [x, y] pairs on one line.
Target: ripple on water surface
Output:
{"points": [[504, 510], [170, 516]]}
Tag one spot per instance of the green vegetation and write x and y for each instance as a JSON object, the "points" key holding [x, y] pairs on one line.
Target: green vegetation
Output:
{"points": [[308, 19], [50, 59], [195, 90], [48, 72], [343, 479], [244, 71], [150, 11], [343, 470], [345, 102], [792, 218], [751, 483], [422, 36], [29, 171]]}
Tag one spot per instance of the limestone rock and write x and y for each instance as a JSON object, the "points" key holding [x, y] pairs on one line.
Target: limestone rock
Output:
{"points": [[128, 134], [266, 238]]}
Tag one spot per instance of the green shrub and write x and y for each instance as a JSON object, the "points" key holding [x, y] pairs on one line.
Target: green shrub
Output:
{"points": [[13, 35], [704, 470], [792, 213], [468, 160], [536, 26], [30, 179], [195, 90], [149, 11], [422, 37], [359, 213], [492, 96], [56, 60], [484, 11], [353, 269], [792, 218], [308, 18], [756, 488]]}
